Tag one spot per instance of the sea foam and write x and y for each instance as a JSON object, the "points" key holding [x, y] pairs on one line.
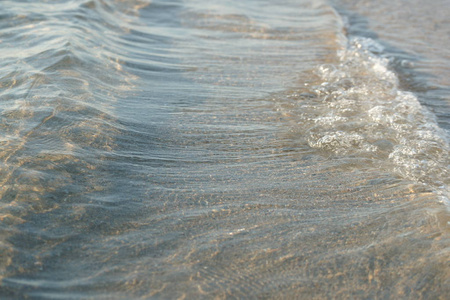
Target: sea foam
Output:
{"points": [[361, 109]]}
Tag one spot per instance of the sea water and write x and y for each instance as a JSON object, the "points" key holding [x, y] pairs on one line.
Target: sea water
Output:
{"points": [[224, 149]]}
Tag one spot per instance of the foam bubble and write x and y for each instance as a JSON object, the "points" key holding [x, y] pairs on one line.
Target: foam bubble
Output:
{"points": [[360, 109]]}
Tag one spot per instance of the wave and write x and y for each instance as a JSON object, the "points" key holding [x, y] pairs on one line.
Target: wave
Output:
{"points": [[144, 145], [357, 107]]}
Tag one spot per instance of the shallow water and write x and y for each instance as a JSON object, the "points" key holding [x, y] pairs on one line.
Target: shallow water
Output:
{"points": [[294, 149]]}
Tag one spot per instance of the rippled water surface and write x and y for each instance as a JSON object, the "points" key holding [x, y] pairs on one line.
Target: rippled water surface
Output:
{"points": [[211, 149]]}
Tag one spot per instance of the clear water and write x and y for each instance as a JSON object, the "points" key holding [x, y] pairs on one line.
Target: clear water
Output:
{"points": [[201, 149]]}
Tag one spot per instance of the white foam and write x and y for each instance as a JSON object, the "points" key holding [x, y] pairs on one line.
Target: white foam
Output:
{"points": [[361, 109]]}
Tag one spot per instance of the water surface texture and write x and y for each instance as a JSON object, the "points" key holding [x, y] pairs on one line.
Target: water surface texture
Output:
{"points": [[201, 149]]}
